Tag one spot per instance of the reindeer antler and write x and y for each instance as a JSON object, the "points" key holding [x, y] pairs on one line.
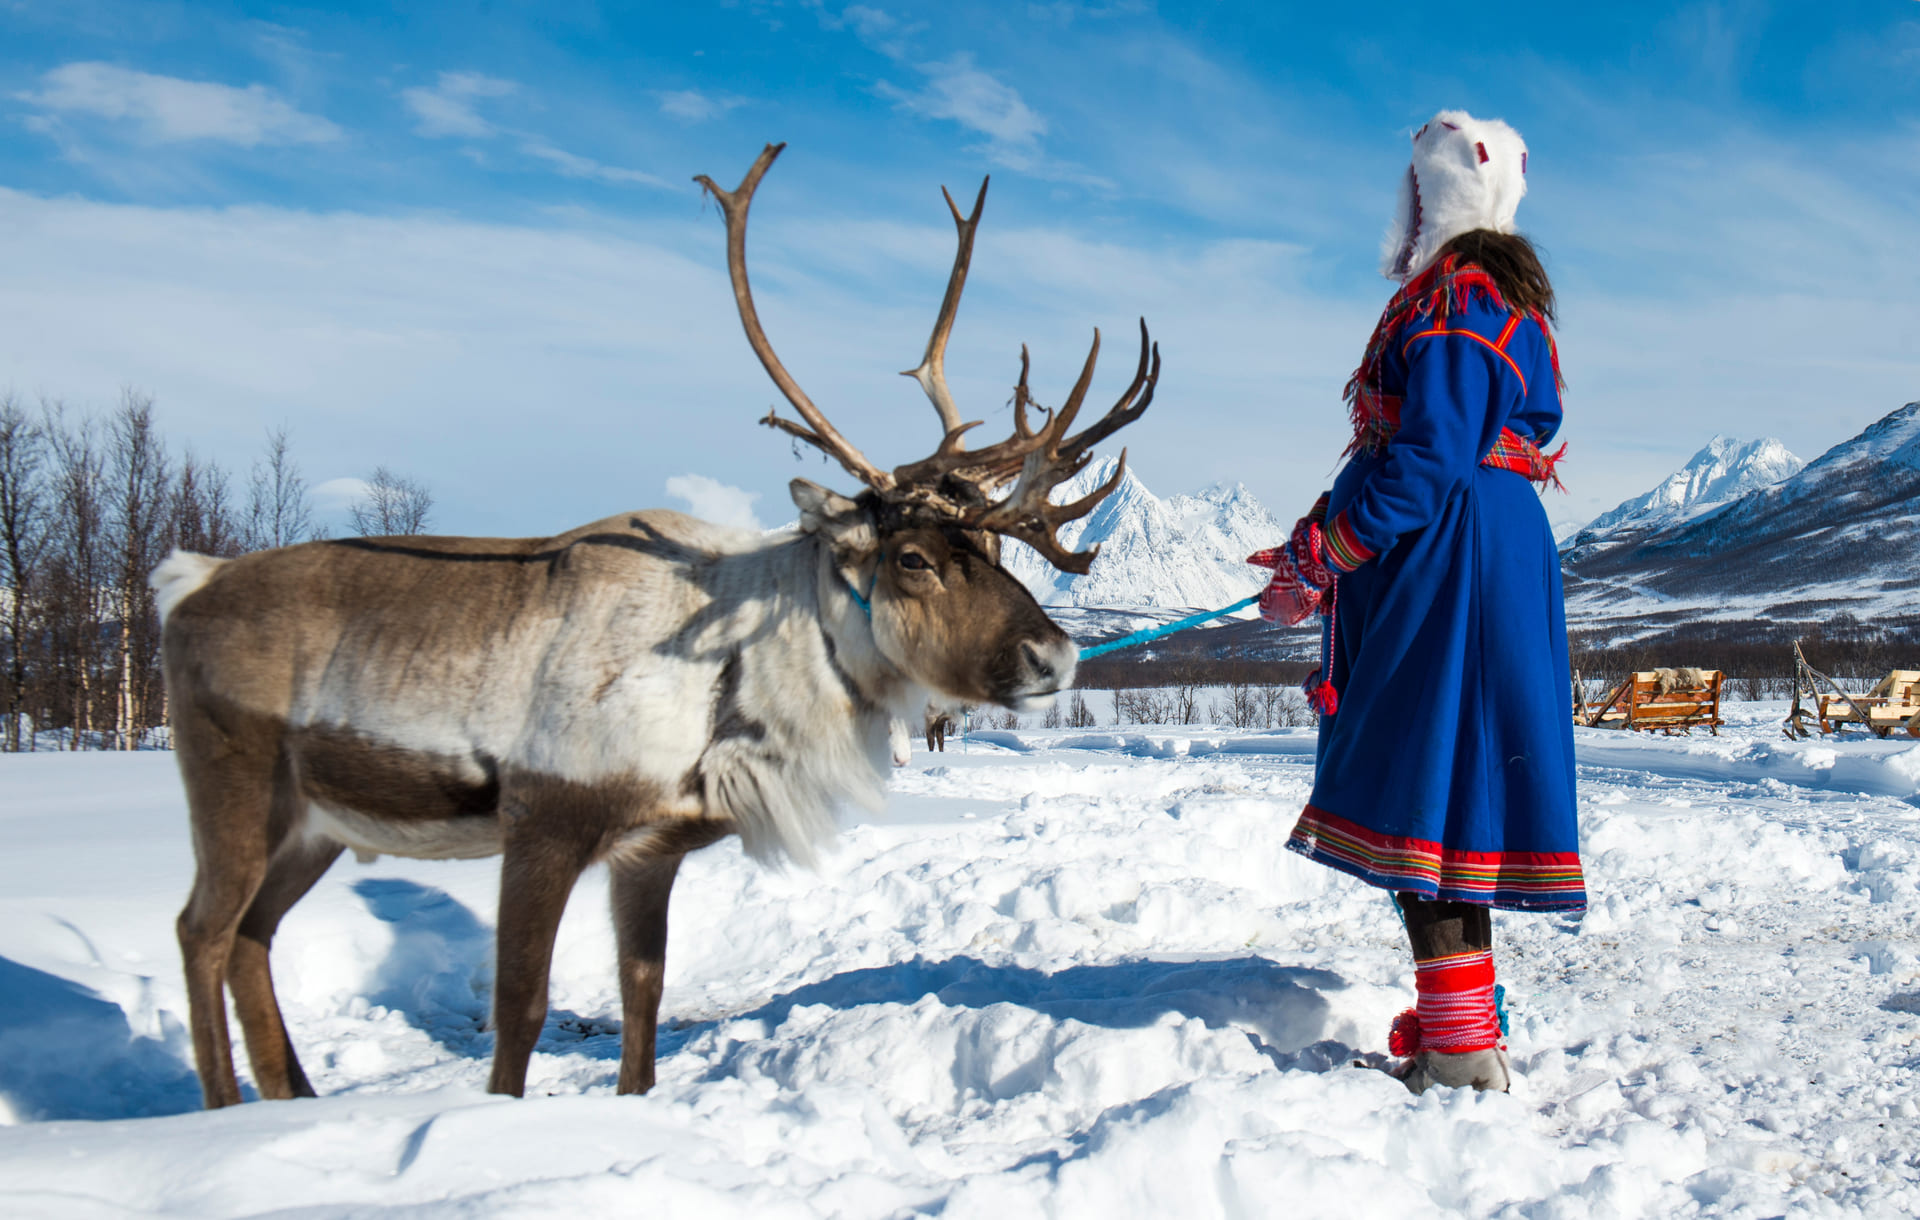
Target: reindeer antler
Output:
{"points": [[955, 484], [819, 430], [932, 372]]}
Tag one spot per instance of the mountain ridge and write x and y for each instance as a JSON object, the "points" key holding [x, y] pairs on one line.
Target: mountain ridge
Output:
{"points": [[1721, 472], [1186, 552], [1840, 535]]}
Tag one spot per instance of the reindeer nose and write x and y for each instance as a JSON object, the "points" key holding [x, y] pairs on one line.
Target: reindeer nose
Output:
{"points": [[1042, 668]]}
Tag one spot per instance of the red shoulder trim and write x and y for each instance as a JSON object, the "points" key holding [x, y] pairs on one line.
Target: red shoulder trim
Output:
{"points": [[1489, 344]]}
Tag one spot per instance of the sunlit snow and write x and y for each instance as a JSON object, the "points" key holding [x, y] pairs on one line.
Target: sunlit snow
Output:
{"points": [[1070, 974]]}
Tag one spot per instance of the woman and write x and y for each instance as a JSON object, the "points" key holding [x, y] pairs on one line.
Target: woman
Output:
{"points": [[1445, 766]]}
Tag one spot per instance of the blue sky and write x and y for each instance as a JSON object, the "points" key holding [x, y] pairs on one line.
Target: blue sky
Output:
{"points": [[462, 240]]}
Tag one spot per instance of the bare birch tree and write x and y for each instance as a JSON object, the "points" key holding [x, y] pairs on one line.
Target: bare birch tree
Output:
{"points": [[138, 486], [393, 506], [23, 543], [278, 510], [78, 568], [201, 512]]}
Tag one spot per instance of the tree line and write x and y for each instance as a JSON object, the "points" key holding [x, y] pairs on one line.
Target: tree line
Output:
{"points": [[90, 503]]}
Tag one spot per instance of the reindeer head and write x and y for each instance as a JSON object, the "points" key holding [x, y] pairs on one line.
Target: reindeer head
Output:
{"points": [[920, 545]]}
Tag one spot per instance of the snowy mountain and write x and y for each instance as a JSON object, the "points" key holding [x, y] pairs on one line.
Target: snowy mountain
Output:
{"points": [[1840, 535], [1184, 552], [1717, 475]]}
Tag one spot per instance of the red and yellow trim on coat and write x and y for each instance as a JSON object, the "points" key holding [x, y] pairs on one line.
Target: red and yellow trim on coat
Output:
{"points": [[1344, 550], [1523, 881], [1498, 347]]}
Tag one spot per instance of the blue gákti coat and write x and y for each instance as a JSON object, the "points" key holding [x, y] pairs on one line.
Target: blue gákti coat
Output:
{"points": [[1447, 769]]}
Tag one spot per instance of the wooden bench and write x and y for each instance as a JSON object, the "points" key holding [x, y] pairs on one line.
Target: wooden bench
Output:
{"points": [[1641, 704], [1893, 703]]}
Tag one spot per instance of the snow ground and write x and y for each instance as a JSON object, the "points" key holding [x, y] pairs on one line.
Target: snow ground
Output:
{"points": [[1071, 974]]}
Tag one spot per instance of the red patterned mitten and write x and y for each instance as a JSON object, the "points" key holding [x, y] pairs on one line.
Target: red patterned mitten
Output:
{"points": [[1300, 572], [1289, 598]]}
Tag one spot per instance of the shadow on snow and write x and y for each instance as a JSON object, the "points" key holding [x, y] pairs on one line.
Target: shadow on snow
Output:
{"points": [[438, 974], [67, 1052]]}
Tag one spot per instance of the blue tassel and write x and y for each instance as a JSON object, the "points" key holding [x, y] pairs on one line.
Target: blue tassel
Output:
{"points": [[1500, 1007]]}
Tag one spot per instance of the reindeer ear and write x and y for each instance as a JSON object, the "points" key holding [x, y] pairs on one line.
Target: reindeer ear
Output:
{"points": [[832, 516], [817, 504]]}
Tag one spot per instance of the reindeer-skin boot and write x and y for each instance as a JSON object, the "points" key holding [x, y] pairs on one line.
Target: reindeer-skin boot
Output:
{"points": [[1453, 1037], [1482, 1071]]}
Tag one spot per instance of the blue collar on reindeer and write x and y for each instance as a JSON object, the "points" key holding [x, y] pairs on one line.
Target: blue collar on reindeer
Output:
{"points": [[864, 602]]}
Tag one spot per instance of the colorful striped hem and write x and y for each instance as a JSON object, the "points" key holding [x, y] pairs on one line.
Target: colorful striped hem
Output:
{"points": [[1515, 881], [1345, 551]]}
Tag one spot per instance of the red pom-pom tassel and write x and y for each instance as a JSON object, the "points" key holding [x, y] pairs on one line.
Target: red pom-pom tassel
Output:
{"points": [[1403, 1039], [1325, 699]]}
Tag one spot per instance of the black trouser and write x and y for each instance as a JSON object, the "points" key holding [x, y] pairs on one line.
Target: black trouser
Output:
{"points": [[1442, 929]]}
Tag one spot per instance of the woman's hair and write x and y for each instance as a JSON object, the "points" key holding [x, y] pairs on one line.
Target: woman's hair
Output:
{"points": [[1514, 265]]}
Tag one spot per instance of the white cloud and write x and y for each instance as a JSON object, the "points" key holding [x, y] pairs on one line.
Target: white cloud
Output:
{"points": [[540, 375], [572, 165], [167, 109], [693, 106], [712, 500], [959, 92], [336, 494], [451, 107], [976, 100]]}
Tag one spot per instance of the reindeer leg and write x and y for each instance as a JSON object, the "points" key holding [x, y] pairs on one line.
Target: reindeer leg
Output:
{"points": [[205, 929], [640, 891], [230, 805], [536, 878], [295, 866]]}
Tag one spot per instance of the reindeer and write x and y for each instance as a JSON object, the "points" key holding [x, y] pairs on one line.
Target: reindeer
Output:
{"points": [[626, 693], [939, 722]]}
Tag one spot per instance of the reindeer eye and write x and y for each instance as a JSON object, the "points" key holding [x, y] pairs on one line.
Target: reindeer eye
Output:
{"points": [[913, 561]]}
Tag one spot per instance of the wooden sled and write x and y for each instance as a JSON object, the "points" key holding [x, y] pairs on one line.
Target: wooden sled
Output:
{"points": [[1653, 699], [1893, 703]]}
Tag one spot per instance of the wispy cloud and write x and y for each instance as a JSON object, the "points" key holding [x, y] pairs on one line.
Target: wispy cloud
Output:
{"points": [[693, 106], [168, 109], [976, 100], [451, 107], [573, 165], [957, 90], [877, 29], [1065, 13]]}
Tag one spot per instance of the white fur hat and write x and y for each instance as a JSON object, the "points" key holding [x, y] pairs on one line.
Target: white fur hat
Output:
{"points": [[1467, 174]]}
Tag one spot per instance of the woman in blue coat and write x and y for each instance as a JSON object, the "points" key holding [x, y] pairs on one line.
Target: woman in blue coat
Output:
{"points": [[1445, 766]]}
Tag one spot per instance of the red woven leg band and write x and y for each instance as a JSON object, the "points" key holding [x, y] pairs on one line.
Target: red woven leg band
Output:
{"points": [[1456, 1003]]}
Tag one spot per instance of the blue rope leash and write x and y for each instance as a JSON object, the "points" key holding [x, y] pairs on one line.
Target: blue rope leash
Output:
{"points": [[1154, 633], [865, 602]]}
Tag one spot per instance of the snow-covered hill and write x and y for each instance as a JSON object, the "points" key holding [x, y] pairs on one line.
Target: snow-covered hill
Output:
{"points": [[1184, 552], [1842, 534], [1717, 475]]}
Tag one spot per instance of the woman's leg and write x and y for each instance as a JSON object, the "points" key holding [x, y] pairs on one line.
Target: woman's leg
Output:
{"points": [[1443, 929], [1456, 1037]]}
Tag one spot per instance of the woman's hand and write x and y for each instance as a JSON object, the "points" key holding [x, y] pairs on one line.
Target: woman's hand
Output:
{"points": [[1301, 576]]}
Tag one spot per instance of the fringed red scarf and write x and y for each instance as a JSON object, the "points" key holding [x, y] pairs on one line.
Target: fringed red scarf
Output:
{"points": [[1439, 292]]}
